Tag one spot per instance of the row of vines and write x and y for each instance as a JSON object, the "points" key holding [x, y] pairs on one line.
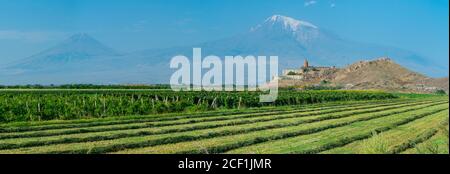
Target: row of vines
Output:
{"points": [[49, 105]]}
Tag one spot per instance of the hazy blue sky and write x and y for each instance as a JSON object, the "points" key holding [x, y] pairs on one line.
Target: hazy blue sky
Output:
{"points": [[29, 26]]}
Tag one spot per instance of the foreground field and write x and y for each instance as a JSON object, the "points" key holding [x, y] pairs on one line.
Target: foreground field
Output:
{"points": [[378, 126]]}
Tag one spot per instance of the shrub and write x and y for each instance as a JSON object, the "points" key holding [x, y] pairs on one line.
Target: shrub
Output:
{"points": [[291, 73], [440, 92]]}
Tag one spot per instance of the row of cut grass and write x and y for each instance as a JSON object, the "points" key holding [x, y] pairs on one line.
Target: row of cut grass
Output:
{"points": [[141, 119], [115, 119], [348, 140], [42, 133], [395, 140], [54, 124], [333, 138], [140, 124], [303, 118], [438, 144], [143, 141], [222, 144]]}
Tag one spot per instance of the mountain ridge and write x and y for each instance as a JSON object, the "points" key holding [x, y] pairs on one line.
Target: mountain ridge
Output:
{"points": [[384, 73], [78, 47], [290, 39], [380, 74]]}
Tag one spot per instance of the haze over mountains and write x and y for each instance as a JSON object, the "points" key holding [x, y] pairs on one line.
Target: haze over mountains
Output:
{"points": [[77, 48], [82, 59]]}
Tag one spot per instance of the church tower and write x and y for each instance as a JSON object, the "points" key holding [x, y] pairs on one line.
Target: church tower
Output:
{"points": [[306, 64]]}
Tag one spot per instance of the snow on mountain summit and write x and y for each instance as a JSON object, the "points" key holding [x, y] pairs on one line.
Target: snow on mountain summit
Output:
{"points": [[289, 22], [286, 23], [278, 26], [83, 59]]}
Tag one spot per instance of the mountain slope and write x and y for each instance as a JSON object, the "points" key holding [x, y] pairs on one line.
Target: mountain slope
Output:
{"points": [[77, 48], [82, 59], [384, 73], [293, 40], [383, 69]]}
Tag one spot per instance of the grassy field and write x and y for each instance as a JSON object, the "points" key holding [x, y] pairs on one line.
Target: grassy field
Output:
{"points": [[399, 125]]}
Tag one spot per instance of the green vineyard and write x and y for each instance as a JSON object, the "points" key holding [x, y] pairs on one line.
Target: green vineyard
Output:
{"points": [[39, 105], [378, 123]]}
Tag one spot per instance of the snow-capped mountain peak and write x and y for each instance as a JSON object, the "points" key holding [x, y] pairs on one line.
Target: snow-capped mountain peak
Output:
{"points": [[83, 59], [280, 26], [286, 23], [289, 23]]}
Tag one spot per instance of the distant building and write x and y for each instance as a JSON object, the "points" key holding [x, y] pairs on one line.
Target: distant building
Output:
{"points": [[306, 71]]}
